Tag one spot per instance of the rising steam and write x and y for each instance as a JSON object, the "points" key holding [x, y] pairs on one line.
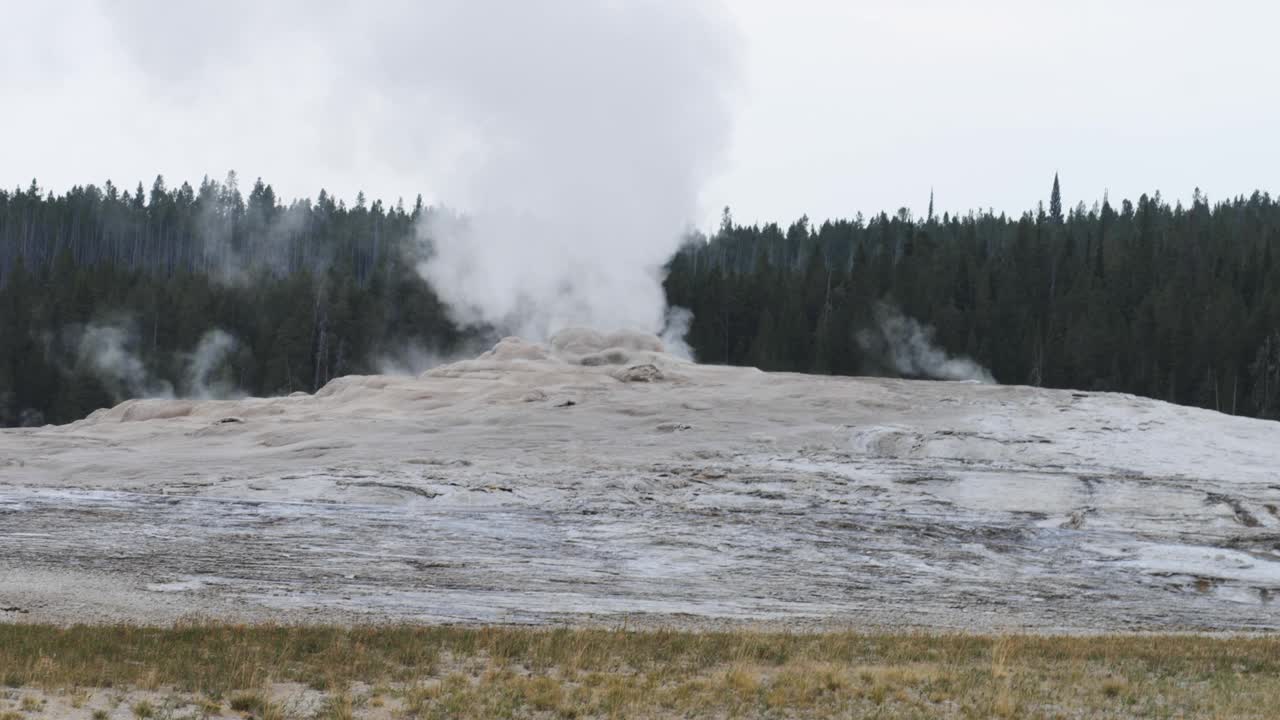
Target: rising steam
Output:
{"points": [[592, 126], [906, 347], [574, 135], [109, 350], [206, 365]]}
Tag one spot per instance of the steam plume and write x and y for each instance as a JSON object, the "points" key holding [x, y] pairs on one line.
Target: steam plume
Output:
{"points": [[593, 126], [907, 347], [108, 352], [203, 364], [575, 134]]}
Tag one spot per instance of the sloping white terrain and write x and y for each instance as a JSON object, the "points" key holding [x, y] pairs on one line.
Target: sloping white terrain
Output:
{"points": [[598, 479]]}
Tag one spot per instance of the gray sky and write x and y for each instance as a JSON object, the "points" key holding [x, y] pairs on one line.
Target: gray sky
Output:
{"points": [[837, 107]]}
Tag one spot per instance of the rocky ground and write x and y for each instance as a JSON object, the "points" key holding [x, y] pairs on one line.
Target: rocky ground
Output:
{"points": [[598, 480]]}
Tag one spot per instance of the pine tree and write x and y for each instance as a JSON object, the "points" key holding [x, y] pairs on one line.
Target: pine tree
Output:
{"points": [[1055, 202]]}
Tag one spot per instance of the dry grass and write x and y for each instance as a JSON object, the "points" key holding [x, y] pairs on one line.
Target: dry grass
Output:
{"points": [[438, 672]]}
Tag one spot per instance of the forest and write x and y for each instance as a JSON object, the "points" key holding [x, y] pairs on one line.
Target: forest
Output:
{"points": [[108, 294]]}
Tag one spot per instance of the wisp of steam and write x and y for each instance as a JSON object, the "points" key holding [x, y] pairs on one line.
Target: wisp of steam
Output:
{"points": [[109, 350], [908, 348]]}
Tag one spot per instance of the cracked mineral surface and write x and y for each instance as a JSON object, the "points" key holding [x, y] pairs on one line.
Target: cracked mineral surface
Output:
{"points": [[596, 479]]}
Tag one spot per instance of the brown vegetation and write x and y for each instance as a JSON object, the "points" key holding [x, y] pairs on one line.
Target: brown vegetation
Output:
{"points": [[205, 670]]}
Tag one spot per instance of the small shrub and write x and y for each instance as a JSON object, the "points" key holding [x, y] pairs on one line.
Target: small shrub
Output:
{"points": [[144, 709], [417, 699], [1114, 686], [742, 681], [247, 702], [543, 693]]}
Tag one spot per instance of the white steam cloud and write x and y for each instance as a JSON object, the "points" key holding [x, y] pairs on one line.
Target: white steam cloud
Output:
{"points": [[574, 135], [908, 348], [109, 351], [592, 128], [675, 329], [205, 366]]}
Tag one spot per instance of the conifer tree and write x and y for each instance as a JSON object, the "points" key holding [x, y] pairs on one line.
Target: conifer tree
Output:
{"points": [[1055, 202]]}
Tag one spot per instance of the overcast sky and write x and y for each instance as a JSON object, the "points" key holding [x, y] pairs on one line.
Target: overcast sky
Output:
{"points": [[837, 107]]}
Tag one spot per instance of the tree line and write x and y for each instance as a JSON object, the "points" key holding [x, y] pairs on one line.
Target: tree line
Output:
{"points": [[100, 288], [1170, 302], [107, 294]]}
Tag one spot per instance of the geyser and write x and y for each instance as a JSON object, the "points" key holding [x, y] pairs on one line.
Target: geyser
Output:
{"points": [[594, 126]]}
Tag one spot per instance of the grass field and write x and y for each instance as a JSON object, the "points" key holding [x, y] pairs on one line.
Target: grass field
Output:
{"points": [[208, 670]]}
